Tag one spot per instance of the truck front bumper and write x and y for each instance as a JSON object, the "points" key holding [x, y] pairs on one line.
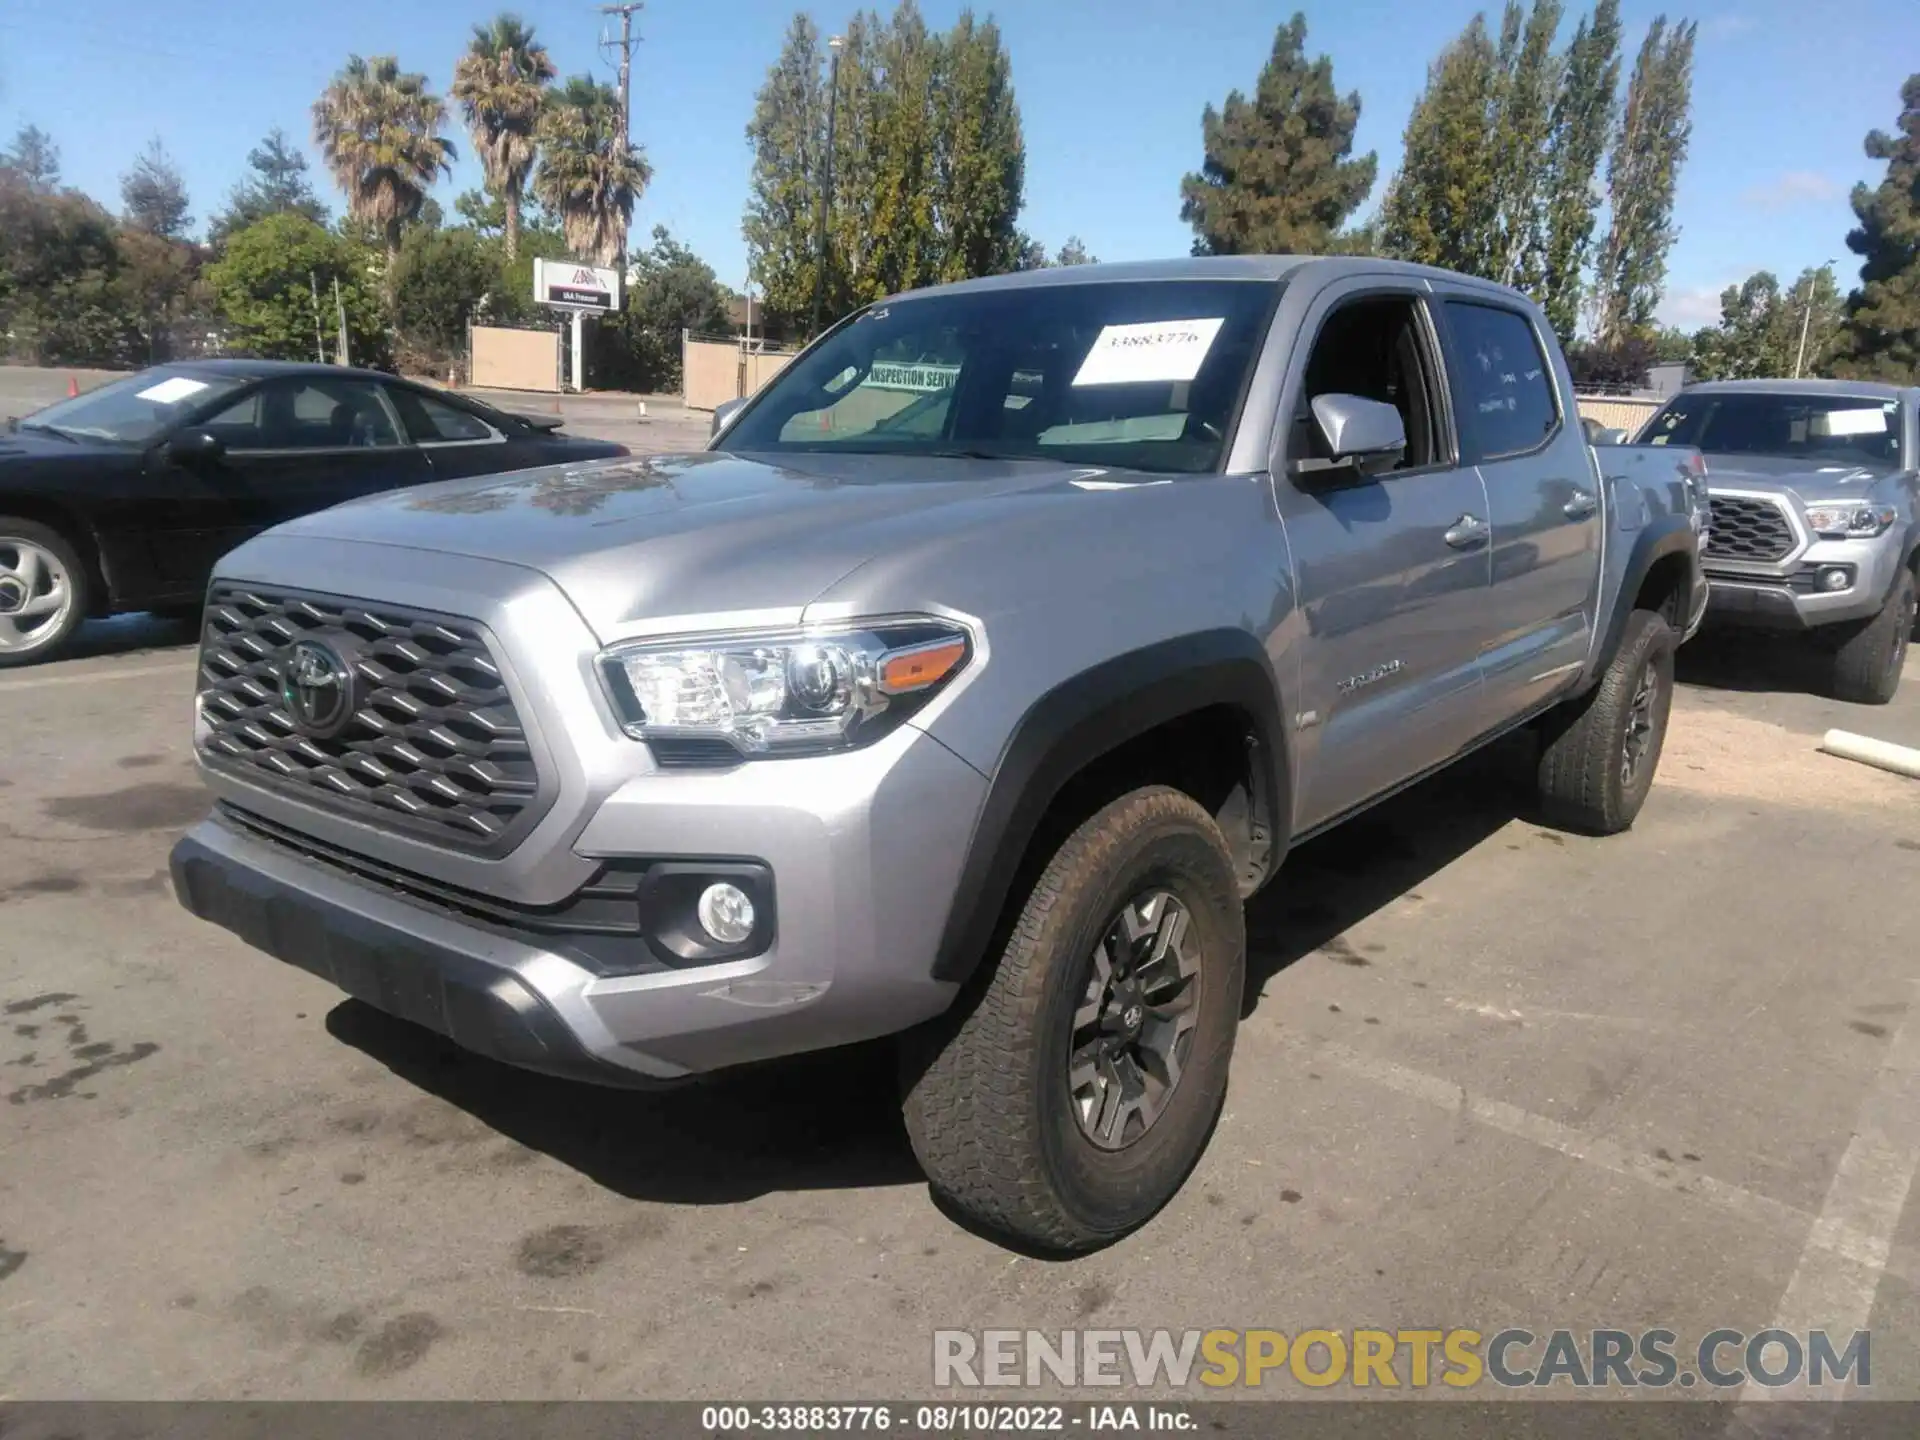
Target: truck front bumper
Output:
{"points": [[863, 849]]}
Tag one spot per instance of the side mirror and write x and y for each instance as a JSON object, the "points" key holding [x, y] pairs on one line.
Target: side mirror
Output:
{"points": [[195, 447], [1365, 434], [1593, 430], [1612, 437], [723, 415]]}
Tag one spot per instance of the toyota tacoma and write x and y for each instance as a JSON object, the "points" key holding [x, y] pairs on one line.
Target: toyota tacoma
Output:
{"points": [[1815, 526], [961, 691]]}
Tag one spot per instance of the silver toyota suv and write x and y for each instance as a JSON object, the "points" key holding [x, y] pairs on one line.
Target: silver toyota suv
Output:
{"points": [[961, 691], [1815, 515]]}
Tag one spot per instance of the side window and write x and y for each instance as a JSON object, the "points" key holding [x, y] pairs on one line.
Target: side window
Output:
{"points": [[1375, 348], [317, 414], [1503, 387], [434, 422]]}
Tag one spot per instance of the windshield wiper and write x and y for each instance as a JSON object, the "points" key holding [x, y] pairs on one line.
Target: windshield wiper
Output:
{"points": [[963, 453], [44, 429]]}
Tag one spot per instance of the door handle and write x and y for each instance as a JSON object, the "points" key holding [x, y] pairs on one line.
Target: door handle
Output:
{"points": [[1469, 531], [1580, 506]]}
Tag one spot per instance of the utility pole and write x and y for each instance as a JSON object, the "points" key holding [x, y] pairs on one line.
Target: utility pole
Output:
{"points": [[624, 45], [826, 181]]}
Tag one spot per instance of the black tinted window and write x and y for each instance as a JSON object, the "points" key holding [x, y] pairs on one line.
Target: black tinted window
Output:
{"points": [[1142, 375], [1503, 390], [1834, 429], [317, 414], [434, 422]]}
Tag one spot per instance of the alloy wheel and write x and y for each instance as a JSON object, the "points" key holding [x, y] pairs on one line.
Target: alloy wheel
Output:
{"points": [[36, 594], [1135, 1020], [1641, 718]]}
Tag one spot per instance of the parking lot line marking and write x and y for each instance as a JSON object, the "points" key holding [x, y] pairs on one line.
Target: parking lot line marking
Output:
{"points": [[1832, 1291], [43, 682], [1839, 1238]]}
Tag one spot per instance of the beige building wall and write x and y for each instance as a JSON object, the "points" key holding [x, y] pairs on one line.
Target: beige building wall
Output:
{"points": [[514, 359], [710, 373], [1617, 412]]}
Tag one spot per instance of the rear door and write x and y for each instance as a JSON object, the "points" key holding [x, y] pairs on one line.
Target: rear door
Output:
{"points": [[1543, 501], [458, 441], [1391, 571]]}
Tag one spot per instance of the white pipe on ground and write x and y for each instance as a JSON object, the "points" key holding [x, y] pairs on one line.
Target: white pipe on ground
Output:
{"points": [[1881, 754]]}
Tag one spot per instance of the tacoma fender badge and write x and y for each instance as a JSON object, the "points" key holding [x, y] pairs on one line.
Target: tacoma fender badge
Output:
{"points": [[1371, 677]]}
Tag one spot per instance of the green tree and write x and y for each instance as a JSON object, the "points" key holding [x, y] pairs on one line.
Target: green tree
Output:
{"points": [[788, 136], [157, 289], [277, 185], [1583, 116], [1278, 174], [1884, 313], [1527, 80], [155, 195], [1443, 206], [501, 84], [1760, 329], [265, 282], [980, 154], [34, 158], [672, 290], [378, 128], [440, 281], [1075, 252], [60, 265], [590, 177], [1642, 175]]}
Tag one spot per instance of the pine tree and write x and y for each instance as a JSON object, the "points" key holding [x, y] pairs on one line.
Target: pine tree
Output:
{"points": [[1527, 80], [900, 143], [1443, 206], [1279, 174], [155, 195], [277, 186], [1648, 151], [982, 157], [1884, 313], [34, 158], [787, 133], [1583, 115]]}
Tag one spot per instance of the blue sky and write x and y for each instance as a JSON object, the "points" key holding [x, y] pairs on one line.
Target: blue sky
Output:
{"points": [[1110, 92]]}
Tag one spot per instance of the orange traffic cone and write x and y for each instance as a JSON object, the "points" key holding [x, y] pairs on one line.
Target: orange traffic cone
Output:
{"points": [[73, 387]]}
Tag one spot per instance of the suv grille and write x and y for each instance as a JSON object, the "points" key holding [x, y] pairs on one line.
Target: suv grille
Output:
{"points": [[433, 746], [1743, 529]]}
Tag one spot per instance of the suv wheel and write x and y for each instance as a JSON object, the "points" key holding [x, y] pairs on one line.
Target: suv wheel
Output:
{"points": [[1598, 755], [43, 591], [1867, 664], [1067, 1104]]}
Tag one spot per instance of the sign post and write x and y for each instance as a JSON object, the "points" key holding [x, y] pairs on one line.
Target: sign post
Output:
{"points": [[583, 290]]}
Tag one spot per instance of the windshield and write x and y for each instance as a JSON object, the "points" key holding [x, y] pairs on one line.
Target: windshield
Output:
{"points": [[134, 410], [1854, 430], [1129, 375]]}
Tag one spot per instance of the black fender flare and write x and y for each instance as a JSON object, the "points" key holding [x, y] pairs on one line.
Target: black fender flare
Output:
{"points": [[1665, 536], [1083, 718]]}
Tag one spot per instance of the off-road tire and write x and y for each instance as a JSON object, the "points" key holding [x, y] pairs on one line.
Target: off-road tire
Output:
{"points": [[987, 1100], [1583, 744], [1867, 664], [48, 645]]}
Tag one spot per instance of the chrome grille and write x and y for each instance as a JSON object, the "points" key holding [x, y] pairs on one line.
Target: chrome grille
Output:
{"points": [[1744, 529], [434, 747]]}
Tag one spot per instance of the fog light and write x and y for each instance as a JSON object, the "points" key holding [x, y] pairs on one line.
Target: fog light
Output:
{"points": [[725, 913], [1835, 578]]}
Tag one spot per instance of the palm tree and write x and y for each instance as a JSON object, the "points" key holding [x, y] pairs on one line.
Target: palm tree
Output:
{"points": [[500, 83], [590, 176], [379, 129]]}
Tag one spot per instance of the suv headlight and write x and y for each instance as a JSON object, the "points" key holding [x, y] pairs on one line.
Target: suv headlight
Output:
{"points": [[785, 693], [1848, 519]]}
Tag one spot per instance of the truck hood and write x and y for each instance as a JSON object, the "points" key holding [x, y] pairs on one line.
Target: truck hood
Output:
{"points": [[707, 537], [1787, 476]]}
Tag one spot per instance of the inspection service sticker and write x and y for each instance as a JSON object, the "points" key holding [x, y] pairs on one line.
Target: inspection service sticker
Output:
{"points": [[171, 390], [1156, 350]]}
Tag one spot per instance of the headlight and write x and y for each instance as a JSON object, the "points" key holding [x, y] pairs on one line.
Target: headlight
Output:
{"points": [[780, 694], [1848, 519]]}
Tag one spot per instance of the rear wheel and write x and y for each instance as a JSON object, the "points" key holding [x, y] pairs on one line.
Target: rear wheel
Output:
{"points": [[1598, 755], [1867, 664], [1068, 1103], [43, 591]]}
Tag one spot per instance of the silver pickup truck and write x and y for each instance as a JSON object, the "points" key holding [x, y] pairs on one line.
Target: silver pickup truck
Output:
{"points": [[1815, 515], [990, 657]]}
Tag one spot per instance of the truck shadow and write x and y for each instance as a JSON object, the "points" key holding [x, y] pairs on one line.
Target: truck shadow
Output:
{"points": [[818, 1122], [1753, 664], [129, 635], [1332, 883]]}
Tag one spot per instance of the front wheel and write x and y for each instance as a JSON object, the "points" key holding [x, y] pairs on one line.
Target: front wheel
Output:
{"points": [[1598, 754], [1867, 664], [1069, 1101], [43, 591]]}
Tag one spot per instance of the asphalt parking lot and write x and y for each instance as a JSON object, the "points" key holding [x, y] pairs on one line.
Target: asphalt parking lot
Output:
{"points": [[1494, 1075]]}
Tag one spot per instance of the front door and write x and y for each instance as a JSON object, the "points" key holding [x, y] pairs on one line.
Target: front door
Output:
{"points": [[1543, 500], [1390, 570]]}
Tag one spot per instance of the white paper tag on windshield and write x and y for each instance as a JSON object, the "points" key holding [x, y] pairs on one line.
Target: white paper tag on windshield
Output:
{"points": [[1156, 350], [171, 391]]}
